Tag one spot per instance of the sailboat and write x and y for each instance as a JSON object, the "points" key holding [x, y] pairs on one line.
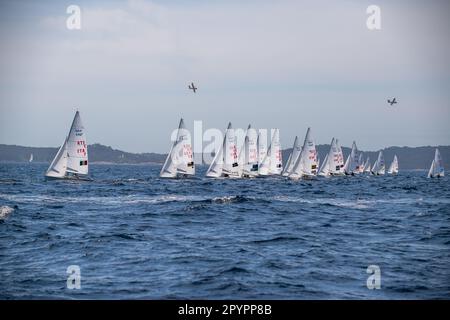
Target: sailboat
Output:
{"points": [[379, 166], [180, 160], [351, 166], [71, 161], [334, 161], [225, 163], [250, 165], [296, 149], [306, 164], [437, 166], [31, 158], [393, 168], [272, 162], [367, 166]]}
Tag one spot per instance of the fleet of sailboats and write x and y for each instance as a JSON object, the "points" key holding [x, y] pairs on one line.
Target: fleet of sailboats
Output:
{"points": [[255, 157]]}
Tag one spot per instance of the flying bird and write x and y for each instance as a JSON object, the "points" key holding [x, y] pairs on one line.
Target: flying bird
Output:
{"points": [[392, 102], [192, 87]]}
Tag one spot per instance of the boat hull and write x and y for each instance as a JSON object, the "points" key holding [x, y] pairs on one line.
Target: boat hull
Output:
{"points": [[71, 178]]}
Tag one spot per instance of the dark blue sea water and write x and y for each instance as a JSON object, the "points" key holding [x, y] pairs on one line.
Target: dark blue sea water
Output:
{"points": [[135, 236]]}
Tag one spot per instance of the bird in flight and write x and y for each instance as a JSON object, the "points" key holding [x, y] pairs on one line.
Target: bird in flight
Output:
{"points": [[392, 102], [192, 87]]}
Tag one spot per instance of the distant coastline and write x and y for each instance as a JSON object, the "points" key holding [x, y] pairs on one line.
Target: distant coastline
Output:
{"points": [[410, 158]]}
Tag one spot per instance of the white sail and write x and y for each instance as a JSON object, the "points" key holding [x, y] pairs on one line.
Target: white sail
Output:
{"points": [[276, 162], [72, 157], [325, 168], [31, 158], [57, 168], [251, 153], [306, 165], [241, 158], [432, 169], [263, 156], [230, 156], [180, 160], [379, 166], [77, 153], [215, 168], [372, 171], [393, 168], [285, 171], [296, 149], [346, 165], [339, 160], [367, 165], [352, 163], [361, 163], [437, 166]]}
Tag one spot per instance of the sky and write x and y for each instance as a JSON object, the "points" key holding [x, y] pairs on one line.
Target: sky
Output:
{"points": [[275, 64]]}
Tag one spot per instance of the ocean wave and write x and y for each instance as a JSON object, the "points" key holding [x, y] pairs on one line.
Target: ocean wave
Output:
{"points": [[56, 201], [275, 239], [5, 211]]}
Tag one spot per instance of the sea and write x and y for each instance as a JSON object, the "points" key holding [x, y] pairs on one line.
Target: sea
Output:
{"points": [[130, 235]]}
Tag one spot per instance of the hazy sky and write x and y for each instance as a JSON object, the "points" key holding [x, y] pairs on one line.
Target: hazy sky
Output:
{"points": [[285, 64]]}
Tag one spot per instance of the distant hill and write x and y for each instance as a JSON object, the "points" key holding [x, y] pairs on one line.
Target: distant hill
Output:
{"points": [[97, 153], [409, 157]]}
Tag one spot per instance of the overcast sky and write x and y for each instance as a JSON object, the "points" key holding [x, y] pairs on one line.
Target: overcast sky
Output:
{"points": [[285, 64]]}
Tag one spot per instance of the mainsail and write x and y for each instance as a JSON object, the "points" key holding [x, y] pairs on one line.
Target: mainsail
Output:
{"points": [[306, 164], [72, 156], [251, 153], [437, 166], [393, 168], [339, 160], [31, 158], [263, 155], [230, 156], [180, 160], [276, 162]]}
